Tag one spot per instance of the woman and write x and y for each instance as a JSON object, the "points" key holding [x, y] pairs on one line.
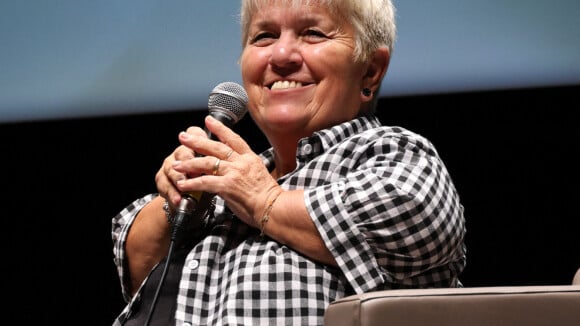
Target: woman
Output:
{"points": [[338, 205]]}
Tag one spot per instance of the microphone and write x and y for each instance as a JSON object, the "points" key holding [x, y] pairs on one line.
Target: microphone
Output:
{"points": [[227, 103]]}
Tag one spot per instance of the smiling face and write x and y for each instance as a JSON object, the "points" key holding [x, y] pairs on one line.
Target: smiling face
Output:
{"points": [[299, 71]]}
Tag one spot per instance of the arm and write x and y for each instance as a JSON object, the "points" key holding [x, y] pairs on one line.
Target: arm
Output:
{"points": [[147, 241], [148, 236], [289, 223], [393, 219], [121, 224]]}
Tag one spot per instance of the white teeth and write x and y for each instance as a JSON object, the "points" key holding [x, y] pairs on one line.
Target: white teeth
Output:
{"points": [[286, 84]]}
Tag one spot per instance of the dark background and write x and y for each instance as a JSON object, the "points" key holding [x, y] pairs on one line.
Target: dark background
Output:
{"points": [[512, 154]]}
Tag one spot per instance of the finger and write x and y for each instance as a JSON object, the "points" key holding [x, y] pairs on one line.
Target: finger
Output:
{"points": [[196, 131], [210, 171], [182, 153], [203, 165], [204, 146], [166, 187], [228, 154], [227, 136], [216, 167], [185, 138]]}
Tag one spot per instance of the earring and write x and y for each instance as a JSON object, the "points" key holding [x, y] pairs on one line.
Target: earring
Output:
{"points": [[367, 92]]}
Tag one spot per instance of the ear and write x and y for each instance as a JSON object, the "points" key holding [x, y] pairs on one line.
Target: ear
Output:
{"points": [[376, 70]]}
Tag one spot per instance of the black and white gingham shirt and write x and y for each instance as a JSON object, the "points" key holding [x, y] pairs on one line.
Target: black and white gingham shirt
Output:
{"points": [[384, 204]]}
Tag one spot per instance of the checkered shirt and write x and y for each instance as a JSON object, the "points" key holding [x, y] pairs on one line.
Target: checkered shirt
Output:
{"points": [[385, 207]]}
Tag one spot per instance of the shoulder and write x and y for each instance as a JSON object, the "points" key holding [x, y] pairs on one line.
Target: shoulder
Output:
{"points": [[394, 138]]}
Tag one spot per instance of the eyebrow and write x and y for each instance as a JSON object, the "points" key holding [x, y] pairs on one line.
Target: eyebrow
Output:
{"points": [[307, 19]]}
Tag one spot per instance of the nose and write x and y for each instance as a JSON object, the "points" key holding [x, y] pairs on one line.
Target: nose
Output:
{"points": [[286, 52]]}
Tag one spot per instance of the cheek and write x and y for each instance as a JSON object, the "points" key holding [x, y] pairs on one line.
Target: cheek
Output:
{"points": [[245, 67], [326, 58], [253, 65]]}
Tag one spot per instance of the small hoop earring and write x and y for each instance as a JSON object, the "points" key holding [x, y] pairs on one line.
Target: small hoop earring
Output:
{"points": [[367, 92]]}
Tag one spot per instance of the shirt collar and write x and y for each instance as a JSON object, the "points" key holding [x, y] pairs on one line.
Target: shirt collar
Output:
{"points": [[321, 140]]}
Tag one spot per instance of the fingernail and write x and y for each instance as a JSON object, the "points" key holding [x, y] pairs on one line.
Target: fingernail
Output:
{"points": [[212, 119]]}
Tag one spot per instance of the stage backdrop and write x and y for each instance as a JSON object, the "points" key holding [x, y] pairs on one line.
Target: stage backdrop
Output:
{"points": [[83, 58]]}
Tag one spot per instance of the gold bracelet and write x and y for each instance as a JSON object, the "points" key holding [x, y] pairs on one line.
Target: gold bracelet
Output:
{"points": [[266, 215]]}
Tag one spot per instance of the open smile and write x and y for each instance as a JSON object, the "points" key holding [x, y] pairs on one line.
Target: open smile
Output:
{"points": [[285, 84]]}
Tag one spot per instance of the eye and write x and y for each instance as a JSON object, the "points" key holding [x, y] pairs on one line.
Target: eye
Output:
{"points": [[313, 34], [263, 38]]}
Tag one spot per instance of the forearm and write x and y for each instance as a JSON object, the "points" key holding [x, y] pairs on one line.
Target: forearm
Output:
{"points": [[147, 241], [290, 224]]}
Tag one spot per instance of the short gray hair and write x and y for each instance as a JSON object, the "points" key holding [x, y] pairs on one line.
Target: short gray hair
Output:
{"points": [[373, 21]]}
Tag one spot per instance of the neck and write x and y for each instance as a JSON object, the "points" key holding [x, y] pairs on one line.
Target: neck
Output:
{"points": [[284, 156]]}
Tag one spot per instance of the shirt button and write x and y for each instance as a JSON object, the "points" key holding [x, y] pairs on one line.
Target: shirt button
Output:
{"points": [[193, 264], [307, 149]]}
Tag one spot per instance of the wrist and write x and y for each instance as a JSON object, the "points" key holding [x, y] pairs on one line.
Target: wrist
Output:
{"points": [[169, 212], [265, 217]]}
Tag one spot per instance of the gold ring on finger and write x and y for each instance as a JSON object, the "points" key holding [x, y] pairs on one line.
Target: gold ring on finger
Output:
{"points": [[229, 154], [216, 166]]}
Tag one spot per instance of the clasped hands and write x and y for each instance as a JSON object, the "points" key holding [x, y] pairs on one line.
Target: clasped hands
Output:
{"points": [[228, 168]]}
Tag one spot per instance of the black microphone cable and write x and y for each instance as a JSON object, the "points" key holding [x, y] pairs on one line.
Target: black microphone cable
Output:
{"points": [[227, 103]]}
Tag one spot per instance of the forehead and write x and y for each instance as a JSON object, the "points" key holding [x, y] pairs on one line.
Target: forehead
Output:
{"points": [[254, 12], [332, 7], [289, 13], [292, 13]]}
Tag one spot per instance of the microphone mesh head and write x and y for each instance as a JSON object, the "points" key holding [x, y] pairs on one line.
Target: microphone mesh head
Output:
{"points": [[229, 98]]}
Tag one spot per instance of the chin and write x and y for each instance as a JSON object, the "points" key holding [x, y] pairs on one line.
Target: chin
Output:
{"points": [[286, 123]]}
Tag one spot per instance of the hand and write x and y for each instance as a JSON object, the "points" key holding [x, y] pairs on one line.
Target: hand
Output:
{"points": [[167, 177], [228, 168]]}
